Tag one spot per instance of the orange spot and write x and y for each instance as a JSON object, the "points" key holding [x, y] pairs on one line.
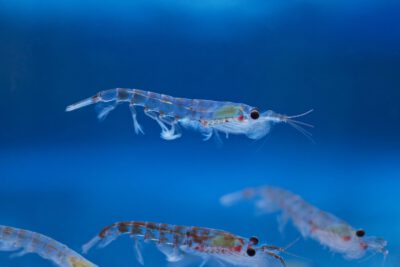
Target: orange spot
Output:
{"points": [[314, 228], [96, 98], [346, 238], [123, 227], [237, 248], [7, 231], [103, 232]]}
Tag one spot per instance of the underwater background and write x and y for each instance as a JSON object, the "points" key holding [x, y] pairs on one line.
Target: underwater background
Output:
{"points": [[66, 175]]}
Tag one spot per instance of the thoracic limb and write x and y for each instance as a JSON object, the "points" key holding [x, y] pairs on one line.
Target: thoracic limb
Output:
{"points": [[207, 134], [104, 108], [167, 134], [138, 251], [136, 125], [172, 253]]}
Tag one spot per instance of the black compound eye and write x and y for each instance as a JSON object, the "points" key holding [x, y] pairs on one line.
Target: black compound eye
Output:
{"points": [[360, 233], [254, 240], [251, 252], [254, 114]]}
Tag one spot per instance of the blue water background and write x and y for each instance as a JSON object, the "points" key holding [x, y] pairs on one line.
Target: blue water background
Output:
{"points": [[67, 176]]}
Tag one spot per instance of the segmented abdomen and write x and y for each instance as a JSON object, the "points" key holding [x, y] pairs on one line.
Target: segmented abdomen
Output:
{"points": [[195, 109], [12, 239], [197, 238], [33, 242]]}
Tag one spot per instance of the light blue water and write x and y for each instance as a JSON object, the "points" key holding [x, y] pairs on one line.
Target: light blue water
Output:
{"points": [[67, 176]]}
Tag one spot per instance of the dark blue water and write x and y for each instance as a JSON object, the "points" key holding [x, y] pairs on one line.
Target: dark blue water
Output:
{"points": [[67, 176]]}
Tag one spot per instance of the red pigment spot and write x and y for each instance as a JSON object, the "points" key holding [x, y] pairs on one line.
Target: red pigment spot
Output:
{"points": [[237, 248], [123, 227], [103, 232], [314, 228], [363, 245], [241, 118], [147, 235], [346, 238]]}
